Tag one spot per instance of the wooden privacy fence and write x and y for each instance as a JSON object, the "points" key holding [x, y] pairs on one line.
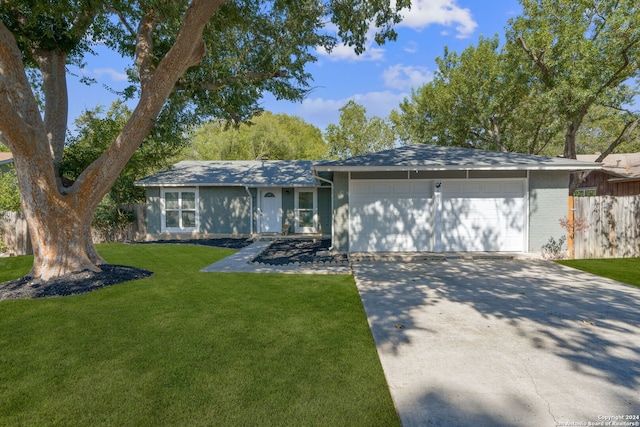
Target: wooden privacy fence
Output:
{"points": [[613, 227], [15, 233], [16, 240]]}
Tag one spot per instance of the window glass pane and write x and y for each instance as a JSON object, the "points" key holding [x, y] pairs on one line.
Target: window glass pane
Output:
{"points": [[305, 200], [305, 217], [172, 219], [188, 219], [171, 200], [189, 201]]}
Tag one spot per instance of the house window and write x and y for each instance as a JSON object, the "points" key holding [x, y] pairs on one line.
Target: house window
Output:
{"points": [[585, 192], [306, 212], [180, 210]]}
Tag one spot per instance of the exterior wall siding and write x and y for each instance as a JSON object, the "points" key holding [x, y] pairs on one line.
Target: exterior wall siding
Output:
{"points": [[600, 180], [341, 211], [224, 210], [324, 210], [154, 214], [548, 203], [288, 210]]}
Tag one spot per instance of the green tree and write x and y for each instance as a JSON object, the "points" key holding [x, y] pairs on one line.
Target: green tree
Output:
{"points": [[9, 194], [190, 60], [581, 54], [478, 99], [95, 130], [357, 134], [267, 136]]}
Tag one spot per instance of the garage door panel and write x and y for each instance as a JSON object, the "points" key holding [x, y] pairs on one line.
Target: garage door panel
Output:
{"points": [[390, 217], [482, 216]]}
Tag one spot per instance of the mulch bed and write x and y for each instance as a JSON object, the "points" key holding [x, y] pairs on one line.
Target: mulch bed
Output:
{"points": [[71, 284], [285, 252], [229, 243]]}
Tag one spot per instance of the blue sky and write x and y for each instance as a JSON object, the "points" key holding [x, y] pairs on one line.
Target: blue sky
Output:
{"points": [[379, 79]]}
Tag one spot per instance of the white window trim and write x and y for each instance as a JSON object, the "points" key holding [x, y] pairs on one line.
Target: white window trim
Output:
{"points": [[163, 214], [298, 228]]}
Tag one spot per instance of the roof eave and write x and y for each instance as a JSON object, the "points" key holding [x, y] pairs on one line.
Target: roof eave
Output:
{"points": [[218, 184], [570, 168]]}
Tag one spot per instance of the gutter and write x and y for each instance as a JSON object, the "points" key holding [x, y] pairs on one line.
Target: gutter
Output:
{"points": [[333, 228]]}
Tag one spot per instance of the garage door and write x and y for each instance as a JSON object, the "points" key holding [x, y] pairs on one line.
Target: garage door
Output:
{"points": [[390, 216], [481, 216]]}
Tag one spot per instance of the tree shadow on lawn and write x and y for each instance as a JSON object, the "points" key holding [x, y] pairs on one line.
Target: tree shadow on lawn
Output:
{"points": [[592, 322]]}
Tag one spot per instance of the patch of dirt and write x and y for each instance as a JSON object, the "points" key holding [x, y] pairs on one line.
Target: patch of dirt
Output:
{"points": [[283, 252], [71, 284]]}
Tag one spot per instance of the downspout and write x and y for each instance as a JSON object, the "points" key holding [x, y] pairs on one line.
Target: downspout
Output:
{"points": [[333, 228], [250, 210]]}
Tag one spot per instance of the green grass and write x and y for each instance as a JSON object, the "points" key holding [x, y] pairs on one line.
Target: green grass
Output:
{"points": [[189, 348], [621, 269]]}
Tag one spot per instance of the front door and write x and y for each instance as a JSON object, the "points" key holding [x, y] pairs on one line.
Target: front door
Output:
{"points": [[270, 210]]}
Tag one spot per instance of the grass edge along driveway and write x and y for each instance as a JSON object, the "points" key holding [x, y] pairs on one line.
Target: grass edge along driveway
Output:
{"points": [[623, 270], [190, 348]]}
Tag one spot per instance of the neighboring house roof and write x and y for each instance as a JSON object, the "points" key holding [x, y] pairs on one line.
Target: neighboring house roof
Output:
{"points": [[624, 166], [267, 173], [6, 158], [433, 157]]}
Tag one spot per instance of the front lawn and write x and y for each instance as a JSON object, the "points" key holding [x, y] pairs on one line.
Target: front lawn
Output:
{"points": [[621, 269], [189, 348]]}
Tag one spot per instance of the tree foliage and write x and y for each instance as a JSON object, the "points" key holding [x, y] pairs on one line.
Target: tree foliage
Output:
{"points": [[580, 55], [266, 136], [96, 129], [9, 194], [356, 134], [478, 99]]}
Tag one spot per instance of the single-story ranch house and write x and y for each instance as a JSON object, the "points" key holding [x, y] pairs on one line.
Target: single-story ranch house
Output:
{"points": [[416, 198]]}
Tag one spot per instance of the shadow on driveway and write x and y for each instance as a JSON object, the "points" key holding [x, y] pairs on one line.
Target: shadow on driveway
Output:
{"points": [[503, 342]]}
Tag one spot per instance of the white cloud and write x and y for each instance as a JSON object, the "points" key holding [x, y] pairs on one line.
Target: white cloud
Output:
{"points": [[322, 112], [346, 53], [443, 12], [405, 77], [115, 75]]}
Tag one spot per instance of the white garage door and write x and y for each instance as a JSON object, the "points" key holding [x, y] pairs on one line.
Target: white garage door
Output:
{"points": [[481, 216], [390, 216]]}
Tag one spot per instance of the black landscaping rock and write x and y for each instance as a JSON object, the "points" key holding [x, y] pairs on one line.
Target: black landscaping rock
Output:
{"points": [[71, 284], [291, 251]]}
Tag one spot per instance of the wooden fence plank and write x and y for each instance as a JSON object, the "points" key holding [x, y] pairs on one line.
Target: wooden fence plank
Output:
{"points": [[614, 227]]}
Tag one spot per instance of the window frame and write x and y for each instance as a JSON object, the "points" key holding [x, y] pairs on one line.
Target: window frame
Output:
{"points": [[582, 192], [298, 227], [180, 209]]}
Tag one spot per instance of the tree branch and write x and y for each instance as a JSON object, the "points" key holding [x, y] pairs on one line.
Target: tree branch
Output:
{"points": [[56, 106], [187, 50], [19, 113], [144, 48], [547, 75]]}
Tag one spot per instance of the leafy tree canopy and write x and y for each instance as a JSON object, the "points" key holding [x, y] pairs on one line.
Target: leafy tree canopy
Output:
{"points": [[580, 54], [266, 136], [356, 134], [477, 99]]}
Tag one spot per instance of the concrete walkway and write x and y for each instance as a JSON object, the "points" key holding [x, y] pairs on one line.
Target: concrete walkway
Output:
{"points": [[240, 262], [503, 342]]}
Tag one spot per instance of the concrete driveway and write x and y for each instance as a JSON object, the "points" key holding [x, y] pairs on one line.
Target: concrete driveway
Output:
{"points": [[504, 342]]}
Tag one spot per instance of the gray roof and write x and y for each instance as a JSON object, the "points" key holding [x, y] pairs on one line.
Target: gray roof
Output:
{"points": [[433, 157], [274, 173]]}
